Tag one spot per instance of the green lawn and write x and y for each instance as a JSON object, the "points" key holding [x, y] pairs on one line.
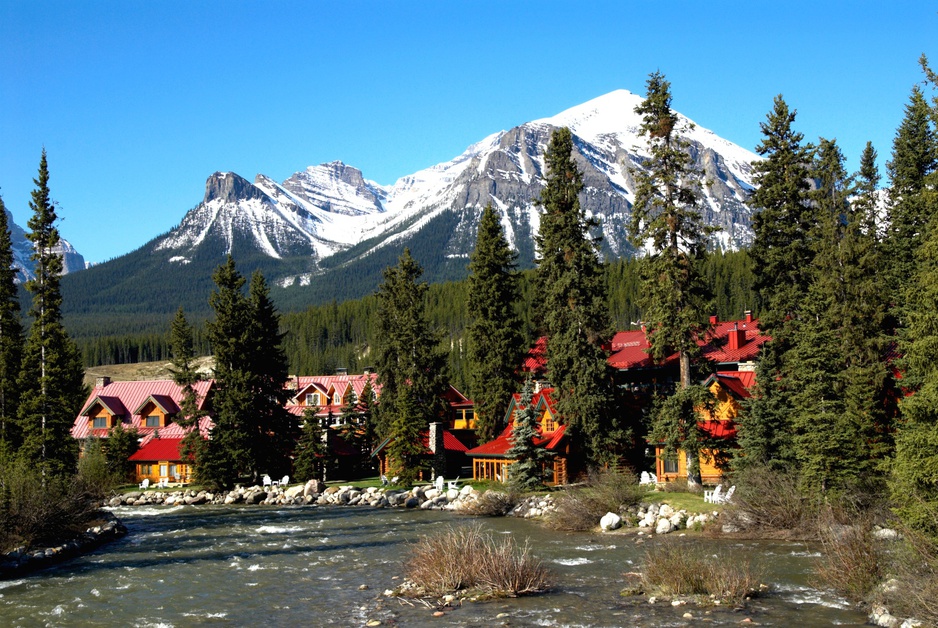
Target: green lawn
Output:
{"points": [[691, 502]]}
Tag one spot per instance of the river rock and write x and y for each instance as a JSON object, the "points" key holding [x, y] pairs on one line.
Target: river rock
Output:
{"points": [[610, 521], [452, 495], [663, 527], [430, 493], [665, 511], [411, 502], [880, 616], [886, 534], [255, 497]]}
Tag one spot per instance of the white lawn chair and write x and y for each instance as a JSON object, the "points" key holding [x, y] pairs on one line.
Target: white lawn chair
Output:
{"points": [[729, 494], [163, 483], [716, 496], [284, 480], [646, 478], [438, 483], [454, 485], [384, 480], [145, 484], [266, 481]]}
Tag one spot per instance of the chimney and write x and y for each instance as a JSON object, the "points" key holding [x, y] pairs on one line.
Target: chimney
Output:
{"points": [[101, 382], [368, 370], [748, 314], [713, 320], [292, 382], [435, 442], [737, 337], [341, 370]]}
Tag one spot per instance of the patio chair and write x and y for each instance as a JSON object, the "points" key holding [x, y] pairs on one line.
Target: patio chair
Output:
{"points": [[384, 480], [646, 478], [454, 485], [266, 481], [284, 480], [716, 496], [438, 483], [145, 484], [729, 494]]}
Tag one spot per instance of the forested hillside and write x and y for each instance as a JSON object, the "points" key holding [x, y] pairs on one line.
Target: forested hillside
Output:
{"points": [[341, 334]]}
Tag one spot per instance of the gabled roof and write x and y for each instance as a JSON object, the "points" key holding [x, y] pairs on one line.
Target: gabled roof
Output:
{"points": [[158, 449], [133, 395], [630, 351], [542, 400], [112, 404], [736, 383], [450, 443], [499, 447], [719, 429], [717, 345], [163, 402]]}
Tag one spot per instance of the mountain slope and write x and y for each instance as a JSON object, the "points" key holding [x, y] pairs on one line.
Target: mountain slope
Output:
{"points": [[327, 232]]}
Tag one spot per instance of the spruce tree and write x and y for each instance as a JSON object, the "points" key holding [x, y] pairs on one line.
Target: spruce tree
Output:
{"points": [[666, 217], [914, 158], [527, 473], [782, 255], [51, 377], [119, 446], [916, 456], [228, 453], [274, 429], [11, 340], [494, 333], [570, 285], [677, 424], [185, 375], [410, 366], [308, 463]]}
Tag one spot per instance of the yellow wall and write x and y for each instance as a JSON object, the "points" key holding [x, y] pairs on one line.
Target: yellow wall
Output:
{"points": [[708, 472]]}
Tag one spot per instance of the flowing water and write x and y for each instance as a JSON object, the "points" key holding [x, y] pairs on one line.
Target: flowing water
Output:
{"points": [[230, 566]]}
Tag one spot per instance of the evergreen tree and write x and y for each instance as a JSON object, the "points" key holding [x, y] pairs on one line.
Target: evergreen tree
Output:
{"points": [[11, 339], [571, 287], [51, 377], [782, 255], [665, 215], [308, 463], [119, 446], [410, 366], [185, 375], [494, 333], [274, 430], [916, 456], [527, 473], [366, 410], [914, 158]]}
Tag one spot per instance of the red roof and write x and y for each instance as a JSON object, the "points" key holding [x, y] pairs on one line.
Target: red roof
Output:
{"points": [[450, 442], [159, 449], [737, 383], [133, 395], [629, 349], [719, 429], [500, 446]]}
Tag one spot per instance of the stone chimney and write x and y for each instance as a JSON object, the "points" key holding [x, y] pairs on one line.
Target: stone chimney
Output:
{"points": [[435, 443], [101, 382]]}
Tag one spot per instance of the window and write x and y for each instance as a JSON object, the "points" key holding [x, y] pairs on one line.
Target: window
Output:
{"points": [[145, 469], [173, 472], [548, 425], [670, 465], [312, 399], [336, 398], [99, 422], [163, 470], [153, 421]]}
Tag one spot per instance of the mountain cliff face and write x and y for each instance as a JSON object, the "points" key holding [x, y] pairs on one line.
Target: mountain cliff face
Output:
{"points": [[331, 230], [72, 260]]}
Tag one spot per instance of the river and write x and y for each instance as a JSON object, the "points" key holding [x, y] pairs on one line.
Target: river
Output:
{"points": [[299, 566]]}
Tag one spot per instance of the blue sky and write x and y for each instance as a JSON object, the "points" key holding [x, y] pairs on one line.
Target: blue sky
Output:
{"points": [[137, 103]]}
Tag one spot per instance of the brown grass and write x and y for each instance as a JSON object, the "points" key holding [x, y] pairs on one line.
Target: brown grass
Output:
{"points": [[493, 504], [913, 592], [767, 500], [675, 569], [582, 507], [467, 559], [852, 561]]}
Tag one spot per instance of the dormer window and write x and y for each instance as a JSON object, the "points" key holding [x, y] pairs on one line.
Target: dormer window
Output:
{"points": [[336, 399], [548, 425], [99, 422], [153, 421], [312, 399]]}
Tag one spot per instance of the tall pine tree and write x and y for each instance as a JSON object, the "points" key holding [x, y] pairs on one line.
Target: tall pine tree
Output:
{"points": [[666, 218], [51, 377], [11, 340], [571, 287], [782, 254], [527, 472], [410, 366], [186, 376], [494, 333]]}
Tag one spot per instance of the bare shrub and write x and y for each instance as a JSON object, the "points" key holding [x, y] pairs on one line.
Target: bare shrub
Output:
{"points": [[493, 504], [851, 562], [913, 592], [466, 558], [770, 500], [32, 514], [674, 569], [582, 507]]}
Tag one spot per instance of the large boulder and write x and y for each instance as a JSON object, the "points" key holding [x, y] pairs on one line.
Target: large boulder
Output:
{"points": [[664, 526], [610, 521]]}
